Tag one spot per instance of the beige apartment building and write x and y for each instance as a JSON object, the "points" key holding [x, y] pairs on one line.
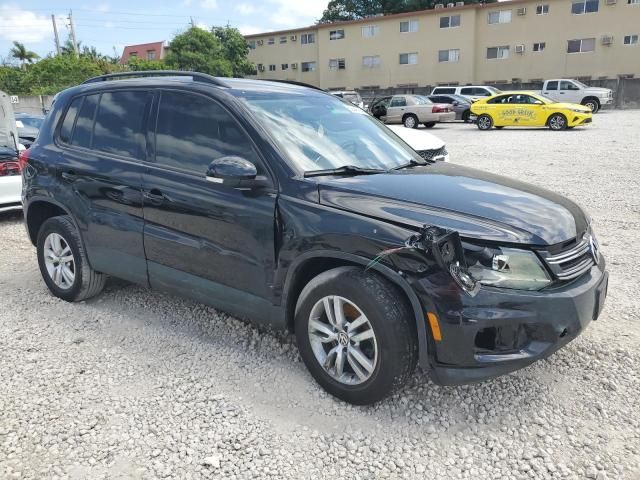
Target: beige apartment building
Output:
{"points": [[512, 41]]}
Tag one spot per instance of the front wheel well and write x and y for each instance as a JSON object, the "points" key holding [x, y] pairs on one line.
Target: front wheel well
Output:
{"points": [[38, 213], [586, 99]]}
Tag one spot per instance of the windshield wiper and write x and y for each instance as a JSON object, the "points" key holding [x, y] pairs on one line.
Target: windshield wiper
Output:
{"points": [[344, 170], [413, 163]]}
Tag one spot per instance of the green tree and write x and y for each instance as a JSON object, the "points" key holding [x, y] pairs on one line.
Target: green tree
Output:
{"points": [[139, 64], [235, 49], [12, 80], [52, 74], [341, 10], [198, 50], [24, 56]]}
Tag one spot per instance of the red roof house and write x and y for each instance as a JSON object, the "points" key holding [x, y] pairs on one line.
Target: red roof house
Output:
{"points": [[147, 51]]}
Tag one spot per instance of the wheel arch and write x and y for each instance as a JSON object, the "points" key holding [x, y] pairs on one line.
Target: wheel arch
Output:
{"points": [[546, 123], [311, 264], [591, 97]]}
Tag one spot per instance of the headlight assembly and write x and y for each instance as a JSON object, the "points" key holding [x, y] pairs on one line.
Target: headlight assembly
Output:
{"points": [[505, 267]]}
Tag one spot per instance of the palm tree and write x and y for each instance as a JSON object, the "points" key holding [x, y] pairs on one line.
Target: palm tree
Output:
{"points": [[20, 52]]}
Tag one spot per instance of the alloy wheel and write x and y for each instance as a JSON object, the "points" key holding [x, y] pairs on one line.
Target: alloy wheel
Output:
{"points": [[343, 340], [484, 122], [59, 261], [557, 122]]}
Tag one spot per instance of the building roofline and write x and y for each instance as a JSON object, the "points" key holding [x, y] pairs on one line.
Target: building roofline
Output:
{"points": [[431, 11]]}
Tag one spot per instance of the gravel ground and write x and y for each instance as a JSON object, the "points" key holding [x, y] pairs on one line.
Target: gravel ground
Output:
{"points": [[136, 384]]}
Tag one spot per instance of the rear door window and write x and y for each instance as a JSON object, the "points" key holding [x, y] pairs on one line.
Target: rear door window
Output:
{"points": [[66, 129], [441, 90], [84, 125], [119, 123], [552, 85], [398, 102], [192, 131]]}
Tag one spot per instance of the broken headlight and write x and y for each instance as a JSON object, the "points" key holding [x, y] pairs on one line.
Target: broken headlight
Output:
{"points": [[505, 267]]}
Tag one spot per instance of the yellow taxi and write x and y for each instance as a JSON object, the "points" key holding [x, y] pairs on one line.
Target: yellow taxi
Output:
{"points": [[527, 109]]}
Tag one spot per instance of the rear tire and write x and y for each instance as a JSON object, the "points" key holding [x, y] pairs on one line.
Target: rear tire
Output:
{"points": [[63, 262], [410, 121], [484, 122], [465, 116], [557, 122], [384, 319], [430, 124]]}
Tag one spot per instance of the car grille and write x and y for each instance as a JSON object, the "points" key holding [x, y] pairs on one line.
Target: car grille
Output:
{"points": [[433, 154], [574, 261]]}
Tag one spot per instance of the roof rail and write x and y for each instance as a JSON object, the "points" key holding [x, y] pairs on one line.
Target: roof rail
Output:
{"points": [[197, 76], [293, 82]]}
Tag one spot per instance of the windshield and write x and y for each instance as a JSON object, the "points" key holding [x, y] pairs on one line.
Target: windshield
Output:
{"points": [[546, 99], [579, 83], [494, 89], [319, 132], [420, 100]]}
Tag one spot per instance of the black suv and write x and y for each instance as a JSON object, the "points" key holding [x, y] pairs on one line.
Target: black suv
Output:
{"points": [[297, 210]]}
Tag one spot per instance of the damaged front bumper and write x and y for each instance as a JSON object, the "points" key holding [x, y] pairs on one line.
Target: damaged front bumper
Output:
{"points": [[499, 330]]}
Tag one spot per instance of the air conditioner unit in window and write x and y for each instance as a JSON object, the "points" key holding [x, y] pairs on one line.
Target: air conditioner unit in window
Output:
{"points": [[607, 40], [451, 5], [294, 38], [261, 68], [260, 42], [294, 66], [520, 48], [522, 11], [611, 2], [438, 5]]}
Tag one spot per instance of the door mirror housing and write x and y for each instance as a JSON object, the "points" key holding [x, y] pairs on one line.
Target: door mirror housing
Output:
{"points": [[538, 102], [455, 103], [236, 172]]}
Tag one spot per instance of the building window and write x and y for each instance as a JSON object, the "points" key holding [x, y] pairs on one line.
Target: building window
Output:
{"points": [[307, 38], [498, 53], [582, 45], [630, 39], [410, 26], [371, 61], [452, 55], [580, 7], [285, 66], [503, 16], [271, 41], [450, 21], [272, 68], [308, 66], [370, 31], [633, 2], [151, 54], [539, 47], [283, 39], [542, 9], [336, 34], [252, 44], [408, 58], [133, 54], [336, 64]]}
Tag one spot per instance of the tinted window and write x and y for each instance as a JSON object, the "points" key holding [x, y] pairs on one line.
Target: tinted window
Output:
{"points": [[192, 131], [565, 85], [552, 85], [119, 123], [468, 91], [500, 99], [84, 125], [67, 124], [399, 102], [445, 90]]}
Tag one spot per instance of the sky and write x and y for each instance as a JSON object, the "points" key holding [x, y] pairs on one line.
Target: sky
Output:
{"points": [[116, 23]]}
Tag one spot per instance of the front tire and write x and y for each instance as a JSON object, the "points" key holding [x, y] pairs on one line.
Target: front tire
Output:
{"points": [[557, 122], [430, 124], [484, 122], [63, 261], [592, 104], [354, 336], [410, 121]]}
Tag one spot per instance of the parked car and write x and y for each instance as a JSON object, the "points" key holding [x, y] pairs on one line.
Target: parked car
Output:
{"points": [[28, 127], [350, 96], [459, 104], [573, 91], [427, 145], [411, 111], [10, 168], [470, 92], [528, 109], [295, 209]]}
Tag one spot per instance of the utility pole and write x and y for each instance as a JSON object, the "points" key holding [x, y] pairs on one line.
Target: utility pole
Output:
{"points": [[55, 33], [193, 24], [73, 33]]}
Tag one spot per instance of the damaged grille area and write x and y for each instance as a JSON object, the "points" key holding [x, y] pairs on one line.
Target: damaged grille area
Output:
{"points": [[433, 154], [573, 262]]}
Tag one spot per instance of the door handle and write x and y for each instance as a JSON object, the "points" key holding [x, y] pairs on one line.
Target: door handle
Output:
{"points": [[154, 197], [69, 176]]}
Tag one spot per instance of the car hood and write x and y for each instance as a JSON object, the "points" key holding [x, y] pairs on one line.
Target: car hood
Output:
{"points": [[8, 129], [417, 139], [571, 106], [474, 203], [597, 90]]}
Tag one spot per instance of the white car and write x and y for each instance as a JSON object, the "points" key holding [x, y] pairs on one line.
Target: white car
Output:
{"points": [[567, 90], [10, 170], [470, 92], [427, 145], [350, 96]]}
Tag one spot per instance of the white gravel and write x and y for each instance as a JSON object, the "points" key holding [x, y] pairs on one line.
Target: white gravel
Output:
{"points": [[136, 384]]}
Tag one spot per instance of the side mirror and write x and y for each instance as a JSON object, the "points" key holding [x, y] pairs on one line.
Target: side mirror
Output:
{"points": [[537, 102], [236, 172], [455, 103]]}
